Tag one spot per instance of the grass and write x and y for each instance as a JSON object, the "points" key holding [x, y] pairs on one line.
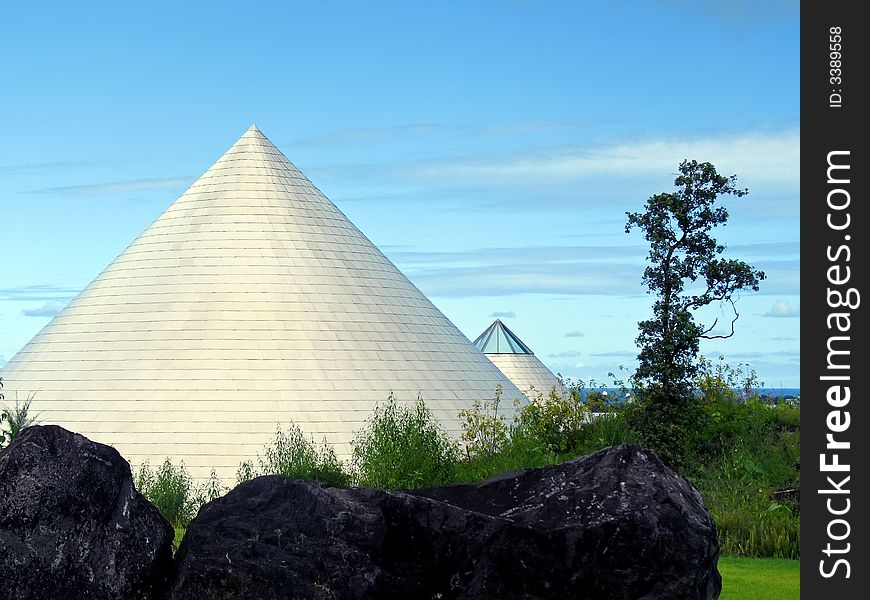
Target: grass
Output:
{"points": [[179, 535], [759, 578]]}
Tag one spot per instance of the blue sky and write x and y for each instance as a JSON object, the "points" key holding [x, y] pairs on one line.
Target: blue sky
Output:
{"points": [[490, 149]]}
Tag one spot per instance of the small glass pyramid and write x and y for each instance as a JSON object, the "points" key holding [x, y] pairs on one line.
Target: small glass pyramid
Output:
{"points": [[498, 339]]}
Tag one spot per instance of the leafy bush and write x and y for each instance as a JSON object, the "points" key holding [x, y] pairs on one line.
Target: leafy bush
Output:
{"points": [[519, 452], [749, 522], [212, 489], [556, 421], [403, 447], [297, 457], [603, 430], [485, 432], [672, 426], [720, 381], [171, 490], [14, 420], [750, 450], [544, 432]]}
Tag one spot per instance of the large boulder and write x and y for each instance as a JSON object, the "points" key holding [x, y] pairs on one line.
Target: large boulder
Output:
{"points": [[621, 522], [614, 525], [73, 526]]}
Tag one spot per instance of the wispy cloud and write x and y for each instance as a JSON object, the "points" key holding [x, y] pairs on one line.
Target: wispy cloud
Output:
{"points": [[39, 167], [360, 135], [38, 293], [766, 249], [616, 354], [575, 334], [755, 355], [782, 309], [503, 314], [566, 354], [575, 270], [760, 157], [533, 127], [119, 187], [49, 309], [502, 255], [577, 278], [402, 132]]}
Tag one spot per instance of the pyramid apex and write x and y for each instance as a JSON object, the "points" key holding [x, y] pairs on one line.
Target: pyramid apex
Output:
{"points": [[254, 132], [498, 339]]}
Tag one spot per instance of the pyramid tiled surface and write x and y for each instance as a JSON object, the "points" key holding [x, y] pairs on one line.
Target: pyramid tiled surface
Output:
{"points": [[516, 361], [251, 301]]}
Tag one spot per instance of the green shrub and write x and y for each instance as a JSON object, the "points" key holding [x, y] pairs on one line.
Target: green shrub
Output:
{"points": [[749, 522], [519, 452], [555, 421], [750, 450], [173, 492], [603, 430], [170, 489], [14, 420], [671, 425], [403, 447], [212, 489], [484, 431], [293, 455], [721, 381]]}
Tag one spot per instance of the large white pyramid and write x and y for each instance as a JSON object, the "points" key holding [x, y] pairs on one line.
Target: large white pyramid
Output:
{"points": [[517, 361], [251, 301]]}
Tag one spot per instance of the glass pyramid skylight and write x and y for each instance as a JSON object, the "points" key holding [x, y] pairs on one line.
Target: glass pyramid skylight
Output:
{"points": [[498, 339]]}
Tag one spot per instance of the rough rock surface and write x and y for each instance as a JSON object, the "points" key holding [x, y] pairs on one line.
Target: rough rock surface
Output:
{"points": [[73, 526], [623, 523], [614, 525]]}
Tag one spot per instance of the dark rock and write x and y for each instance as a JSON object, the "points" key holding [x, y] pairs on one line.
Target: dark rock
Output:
{"points": [[615, 525], [73, 526], [623, 524]]}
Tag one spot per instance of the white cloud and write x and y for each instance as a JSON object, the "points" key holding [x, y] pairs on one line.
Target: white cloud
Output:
{"points": [[503, 314], [755, 156], [49, 309], [566, 354], [781, 308], [31, 293], [368, 135], [575, 334], [617, 354], [119, 187]]}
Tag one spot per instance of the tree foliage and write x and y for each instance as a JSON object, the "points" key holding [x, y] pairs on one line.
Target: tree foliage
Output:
{"points": [[686, 273]]}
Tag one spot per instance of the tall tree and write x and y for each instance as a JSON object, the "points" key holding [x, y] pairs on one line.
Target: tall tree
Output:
{"points": [[686, 273]]}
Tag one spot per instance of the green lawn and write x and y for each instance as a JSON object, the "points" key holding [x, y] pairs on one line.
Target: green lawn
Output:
{"points": [[759, 578]]}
